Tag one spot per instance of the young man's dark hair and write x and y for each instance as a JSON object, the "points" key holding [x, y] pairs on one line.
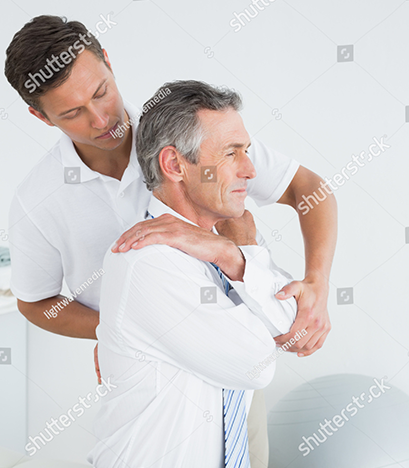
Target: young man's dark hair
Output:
{"points": [[41, 55]]}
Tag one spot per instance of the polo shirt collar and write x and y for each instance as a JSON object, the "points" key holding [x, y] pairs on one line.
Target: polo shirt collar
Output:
{"points": [[70, 157], [157, 208]]}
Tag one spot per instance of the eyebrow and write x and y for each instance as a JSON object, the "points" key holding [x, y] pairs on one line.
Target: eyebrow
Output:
{"points": [[96, 92], [236, 145]]}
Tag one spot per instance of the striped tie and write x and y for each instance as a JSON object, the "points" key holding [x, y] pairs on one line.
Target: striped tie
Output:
{"points": [[235, 422]]}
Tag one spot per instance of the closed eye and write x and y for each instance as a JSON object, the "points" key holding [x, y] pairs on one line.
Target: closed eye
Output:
{"points": [[72, 116], [101, 95]]}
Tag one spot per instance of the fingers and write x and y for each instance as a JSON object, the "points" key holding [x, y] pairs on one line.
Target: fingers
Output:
{"points": [[292, 344], [318, 344], [305, 349], [96, 363], [138, 232], [294, 341], [317, 326], [138, 241], [295, 289], [174, 232], [308, 344], [300, 328], [125, 241]]}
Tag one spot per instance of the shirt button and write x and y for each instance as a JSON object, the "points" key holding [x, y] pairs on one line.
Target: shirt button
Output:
{"points": [[121, 195]]}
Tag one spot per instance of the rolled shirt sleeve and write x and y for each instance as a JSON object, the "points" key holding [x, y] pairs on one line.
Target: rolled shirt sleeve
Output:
{"points": [[258, 289]]}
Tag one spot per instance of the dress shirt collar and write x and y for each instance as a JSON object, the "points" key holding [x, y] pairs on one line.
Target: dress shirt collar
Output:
{"points": [[157, 208], [70, 157]]}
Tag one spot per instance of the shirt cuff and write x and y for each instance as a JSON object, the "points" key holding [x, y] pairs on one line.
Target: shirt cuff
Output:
{"points": [[254, 283], [260, 284]]}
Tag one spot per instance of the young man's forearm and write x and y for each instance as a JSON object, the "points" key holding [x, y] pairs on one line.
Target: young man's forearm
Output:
{"points": [[74, 319], [318, 222], [319, 229]]}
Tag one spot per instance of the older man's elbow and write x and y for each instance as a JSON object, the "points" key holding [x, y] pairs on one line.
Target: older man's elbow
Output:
{"points": [[260, 375]]}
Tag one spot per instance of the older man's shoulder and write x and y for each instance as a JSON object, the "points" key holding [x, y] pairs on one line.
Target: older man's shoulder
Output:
{"points": [[156, 255]]}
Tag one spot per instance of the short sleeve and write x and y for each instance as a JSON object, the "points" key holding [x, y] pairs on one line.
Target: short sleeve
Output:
{"points": [[36, 267], [275, 171]]}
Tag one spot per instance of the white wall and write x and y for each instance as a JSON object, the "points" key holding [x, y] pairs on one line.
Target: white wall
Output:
{"points": [[13, 372], [284, 59]]}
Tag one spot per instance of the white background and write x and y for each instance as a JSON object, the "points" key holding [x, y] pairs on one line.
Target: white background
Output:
{"points": [[284, 59]]}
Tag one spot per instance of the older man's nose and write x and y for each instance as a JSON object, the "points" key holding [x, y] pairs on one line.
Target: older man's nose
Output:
{"points": [[246, 168]]}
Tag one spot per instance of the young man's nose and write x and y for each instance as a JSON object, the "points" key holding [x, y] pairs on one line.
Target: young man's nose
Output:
{"points": [[99, 119]]}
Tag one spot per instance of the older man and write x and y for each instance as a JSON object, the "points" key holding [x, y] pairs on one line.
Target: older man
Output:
{"points": [[179, 335]]}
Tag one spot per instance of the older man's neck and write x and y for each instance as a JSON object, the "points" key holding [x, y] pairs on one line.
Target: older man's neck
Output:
{"points": [[182, 205]]}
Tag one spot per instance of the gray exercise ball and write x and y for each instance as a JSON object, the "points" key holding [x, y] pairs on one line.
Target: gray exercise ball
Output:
{"points": [[340, 421]]}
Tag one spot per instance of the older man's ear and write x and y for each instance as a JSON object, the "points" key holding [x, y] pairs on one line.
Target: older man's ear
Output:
{"points": [[172, 164]]}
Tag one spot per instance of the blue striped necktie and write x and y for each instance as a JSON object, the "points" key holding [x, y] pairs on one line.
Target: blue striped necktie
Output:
{"points": [[236, 454]]}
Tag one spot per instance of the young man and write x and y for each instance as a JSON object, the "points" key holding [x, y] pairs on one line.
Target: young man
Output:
{"points": [[177, 342], [89, 189]]}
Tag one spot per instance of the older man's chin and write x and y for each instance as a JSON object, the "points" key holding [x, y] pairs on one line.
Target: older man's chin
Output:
{"points": [[237, 212]]}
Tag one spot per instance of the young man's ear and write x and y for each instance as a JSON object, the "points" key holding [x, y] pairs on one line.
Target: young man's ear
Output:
{"points": [[40, 116], [107, 59]]}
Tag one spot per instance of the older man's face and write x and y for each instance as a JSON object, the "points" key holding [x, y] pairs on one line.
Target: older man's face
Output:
{"points": [[224, 149]]}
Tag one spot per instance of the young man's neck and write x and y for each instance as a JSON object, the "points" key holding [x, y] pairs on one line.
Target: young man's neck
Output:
{"points": [[108, 162]]}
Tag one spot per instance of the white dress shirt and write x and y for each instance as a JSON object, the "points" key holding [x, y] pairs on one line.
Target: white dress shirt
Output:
{"points": [[171, 340], [60, 230]]}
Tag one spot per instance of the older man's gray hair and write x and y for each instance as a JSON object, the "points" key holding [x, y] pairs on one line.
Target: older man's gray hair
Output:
{"points": [[173, 121]]}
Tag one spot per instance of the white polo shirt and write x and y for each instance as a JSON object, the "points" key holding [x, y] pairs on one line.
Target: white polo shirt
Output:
{"points": [[171, 340], [59, 229]]}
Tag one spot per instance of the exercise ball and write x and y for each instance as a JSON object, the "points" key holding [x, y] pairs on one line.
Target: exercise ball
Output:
{"points": [[340, 421]]}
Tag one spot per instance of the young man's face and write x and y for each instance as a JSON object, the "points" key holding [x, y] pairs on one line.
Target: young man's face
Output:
{"points": [[224, 151], [87, 106]]}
